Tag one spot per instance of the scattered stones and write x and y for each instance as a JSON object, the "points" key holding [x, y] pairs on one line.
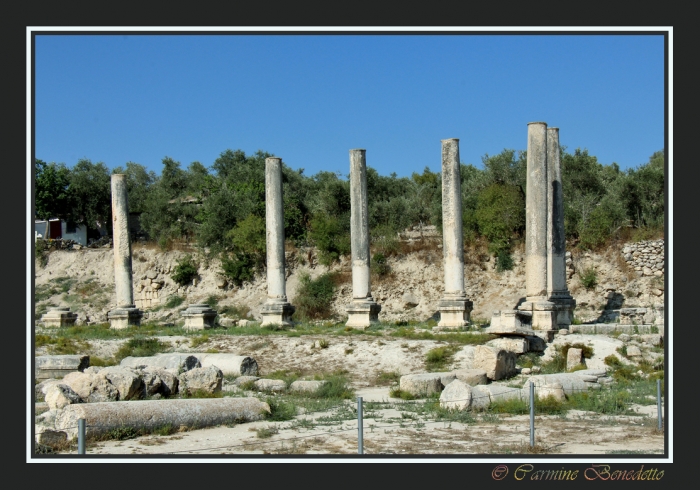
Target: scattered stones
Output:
{"points": [[274, 385], [204, 379], [457, 395], [497, 363], [61, 395]]}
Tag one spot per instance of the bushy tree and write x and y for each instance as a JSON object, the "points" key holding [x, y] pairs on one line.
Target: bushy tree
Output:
{"points": [[138, 184], [500, 214], [90, 192], [51, 195]]}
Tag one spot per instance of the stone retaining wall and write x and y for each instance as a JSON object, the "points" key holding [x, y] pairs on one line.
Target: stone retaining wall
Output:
{"points": [[647, 258]]}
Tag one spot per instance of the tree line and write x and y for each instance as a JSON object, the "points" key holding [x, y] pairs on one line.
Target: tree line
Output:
{"points": [[221, 208]]}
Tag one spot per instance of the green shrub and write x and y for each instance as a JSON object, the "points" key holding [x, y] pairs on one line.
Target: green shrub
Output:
{"points": [[399, 393], [185, 270], [612, 361], [314, 296], [331, 237], [589, 278], [280, 409], [504, 260], [438, 358], [379, 265], [240, 267]]}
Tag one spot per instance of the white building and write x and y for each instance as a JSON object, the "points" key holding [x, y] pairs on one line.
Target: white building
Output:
{"points": [[57, 228]]}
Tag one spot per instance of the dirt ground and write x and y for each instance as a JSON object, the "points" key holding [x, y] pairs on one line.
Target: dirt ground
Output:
{"points": [[390, 426]]}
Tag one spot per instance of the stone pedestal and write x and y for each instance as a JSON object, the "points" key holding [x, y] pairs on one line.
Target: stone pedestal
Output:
{"points": [[362, 314], [124, 317], [564, 308], [363, 310], [454, 312], [199, 317], [277, 314], [59, 317], [544, 318]]}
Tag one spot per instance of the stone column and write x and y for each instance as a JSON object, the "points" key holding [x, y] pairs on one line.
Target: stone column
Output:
{"points": [[454, 306], [125, 314], [276, 310], [557, 289], [536, 225], [363, 311]]}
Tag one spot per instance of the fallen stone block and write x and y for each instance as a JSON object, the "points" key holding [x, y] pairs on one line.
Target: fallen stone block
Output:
{"points": [[101, 418], [206, 379], [58, 366], [457, 395], [61, 395], [574, 358], [126, 381], [497, 363], [176, 363], [421, 385], [516, 345], [230, 365], [481, 397], [571, 382], [241, 380], [276, 385], [307, 386], [92, 388]]}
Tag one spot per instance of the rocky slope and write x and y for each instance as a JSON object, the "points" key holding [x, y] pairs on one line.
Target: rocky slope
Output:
{"points": [[84, 280]]}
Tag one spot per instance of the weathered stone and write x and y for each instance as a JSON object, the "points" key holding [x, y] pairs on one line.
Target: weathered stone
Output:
{"points": [[457, 395], [49, 437], [159, 381], [571, 382], [516, 345], [276, 310], [307, 386], [241, 380], [199, 317], [153, 414], [472, 377], [555, 390], [500, 393], [92, 388], [497, 363], [175, 363], [206, 379], [61, 395], [127, 382], [409, 300], [536, 344], [59, 316], [40, 388], [481, 397], [46, 367], [230, 364], [574, 358], [276, 385], [421, 385], [633, 351]]}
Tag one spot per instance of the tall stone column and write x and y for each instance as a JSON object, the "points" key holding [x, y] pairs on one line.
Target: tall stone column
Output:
{"points": [[363, 311], [536, 226], [276, 310], [557, 289], [125, 314], [454, 306]]}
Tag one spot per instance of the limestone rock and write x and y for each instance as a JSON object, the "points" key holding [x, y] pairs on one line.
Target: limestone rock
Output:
{"points": [[457, 395], [421, 385], [472, 377], [92, 388], [127, 382], [574, 358], [230, 364], [61, 395], [176, 362], [208, 379], [555, 390], [633, 351], [497, 363], [241, 380], [306, 386], [516, 345], [481, 397], [276, 385]]}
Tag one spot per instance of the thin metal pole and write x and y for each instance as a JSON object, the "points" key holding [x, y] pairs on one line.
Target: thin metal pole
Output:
{"points": [[81, 436], [359, 426], [658, 400], [532, 414]]}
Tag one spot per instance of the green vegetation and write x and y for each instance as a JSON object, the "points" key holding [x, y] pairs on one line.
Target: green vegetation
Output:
{"points": [[140, 347], [439, 358], [314, 296], [589, 278], [185, 270]]}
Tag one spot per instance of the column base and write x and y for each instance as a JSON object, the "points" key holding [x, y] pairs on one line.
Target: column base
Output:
{"points": [[544, 315], [454, 312], [363, 313], [277, 314], [199, 317], [60, 316], [564, 306], [124, 317]]}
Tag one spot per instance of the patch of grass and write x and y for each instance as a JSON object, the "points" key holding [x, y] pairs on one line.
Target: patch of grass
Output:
{"points": [[439, 358], [288, 377], [200, 393], [212, 301], [267, 432], [199, 340], [512, 406], [140, 347], [174, 301], [337, 387], [388, 378], [185, 270], [323, 343], [235, 310], [529, 359], [399, 393], [558, 362], [280, 410]]}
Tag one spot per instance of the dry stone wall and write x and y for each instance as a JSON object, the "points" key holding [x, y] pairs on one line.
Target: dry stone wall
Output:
{"points": [[646, 258]]}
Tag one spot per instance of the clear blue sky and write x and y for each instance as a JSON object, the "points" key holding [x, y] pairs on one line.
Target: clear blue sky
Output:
{"points": [[309, 99]]}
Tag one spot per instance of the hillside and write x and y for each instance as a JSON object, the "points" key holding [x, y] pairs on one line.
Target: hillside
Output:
{"points": [[84, 280]]}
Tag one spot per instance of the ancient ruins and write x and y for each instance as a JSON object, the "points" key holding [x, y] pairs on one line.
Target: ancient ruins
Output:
{"points": [[363, 310], [125, 314]]}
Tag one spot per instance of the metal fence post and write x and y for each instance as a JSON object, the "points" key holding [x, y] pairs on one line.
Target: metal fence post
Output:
{"points": [[81, 436], [359, 426], [532, 414], [658, 401]]}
